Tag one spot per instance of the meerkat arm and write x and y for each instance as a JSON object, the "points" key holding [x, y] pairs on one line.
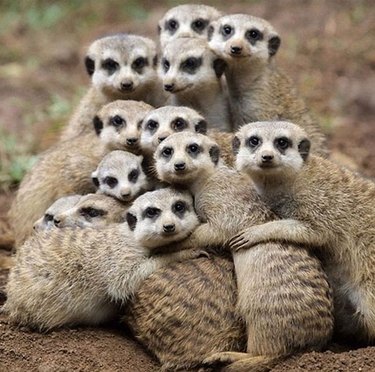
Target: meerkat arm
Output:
{"points": [[288, 230]]}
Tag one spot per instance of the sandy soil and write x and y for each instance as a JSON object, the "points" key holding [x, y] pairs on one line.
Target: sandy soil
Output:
{"points": [[327, 49]]}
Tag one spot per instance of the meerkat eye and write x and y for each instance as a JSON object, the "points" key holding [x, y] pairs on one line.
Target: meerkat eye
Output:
{"points": [[167, 152], [254, 35], [91, 212], [139, 63], [178, 124], [199, 25], [110, 65], [117, 121], [172, 25], [110, 181], [133, 175], [179, 207], [282, 143], [48, 217], [166, 64], [226, 30], [254, 141], [152, 125], [151, 212], [191, 64], [193, 149]]}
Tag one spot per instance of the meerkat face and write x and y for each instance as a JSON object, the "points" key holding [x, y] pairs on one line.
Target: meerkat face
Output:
{"points": [[92, 210], [162, 217], [120, 175], [46, 222], [188, 64], [238, 36], [185, 157], [122, 64], [118, 124], [164, 121], [189, 20], [270, 148]]}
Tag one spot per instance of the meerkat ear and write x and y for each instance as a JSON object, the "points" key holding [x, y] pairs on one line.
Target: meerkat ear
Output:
{"points": [[90, 65], [98, 125], [131, 219], [219, 67], [201, 127], [94, 178], [215, 154], [304, 148], [210, 31], [159, 29], [273, 45], [236, 145]]}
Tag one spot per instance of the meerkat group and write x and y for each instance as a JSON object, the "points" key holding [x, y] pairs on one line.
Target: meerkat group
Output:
{"points": [[274, 257]]}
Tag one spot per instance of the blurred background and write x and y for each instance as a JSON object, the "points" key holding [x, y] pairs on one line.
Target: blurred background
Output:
{"points": [[327, 49]]}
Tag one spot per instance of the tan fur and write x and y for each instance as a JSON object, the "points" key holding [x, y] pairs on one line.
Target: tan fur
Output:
{"points": [[106, 87], [185, 16], [66, 168], [321, 205], [258, 90], [226, 201], [192, 73], [69, 276]]}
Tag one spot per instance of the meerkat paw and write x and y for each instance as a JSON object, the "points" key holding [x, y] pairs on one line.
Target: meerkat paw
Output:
{"points": [[221, 359], [247, 238]]}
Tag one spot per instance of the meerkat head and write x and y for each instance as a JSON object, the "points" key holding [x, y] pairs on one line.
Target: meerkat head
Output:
{"points": [[92, 210], [118, 124], [188, 20], [60, 205], [122, 64], [275, 149], [240, 36], [189, 64], [164, 121], [120, 175], [184, 158], [162, 217]]}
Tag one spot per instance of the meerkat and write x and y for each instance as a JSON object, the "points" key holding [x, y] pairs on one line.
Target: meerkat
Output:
{"points": [[321, 205], [192, 73], [121, 66], [66, 168], [187, 20], [81, 276], [283, 313], [258, 90], [120, 175]]}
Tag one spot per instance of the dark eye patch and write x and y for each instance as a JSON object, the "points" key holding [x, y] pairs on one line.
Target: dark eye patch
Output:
{"points": [[151, 212], [193, 149], [133, 175], [48, 217], [198, 25], [253, 142], [282, 143], [110, 181], [167, 152], [172, 26], [191, 64], [139, 64], [179, 208], [152, 126], [92, 212], [253, 35], [166, 65], [117, 121], [179, 124], [110, 65], [227, 31]]}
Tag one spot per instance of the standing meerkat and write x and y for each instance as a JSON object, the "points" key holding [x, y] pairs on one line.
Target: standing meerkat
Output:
{"points": [[66, 168], [320, 205], [187, 20], [121, 66], [192, 73], [227, 202], [258, 90], [80, 276], [120, 175]]}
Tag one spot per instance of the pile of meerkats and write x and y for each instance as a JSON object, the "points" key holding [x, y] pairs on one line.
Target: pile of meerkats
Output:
{"points": [[190, 197]]}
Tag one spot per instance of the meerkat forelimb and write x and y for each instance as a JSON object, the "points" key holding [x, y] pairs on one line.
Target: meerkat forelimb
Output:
{"points": [[258, 90], [321, 205], [121, 66], [226, 201], [187, 20], [80, 276], [66, 168], [192, 73]]}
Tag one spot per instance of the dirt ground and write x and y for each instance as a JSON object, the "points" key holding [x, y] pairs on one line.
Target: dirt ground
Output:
{"points": [[327, 48]]}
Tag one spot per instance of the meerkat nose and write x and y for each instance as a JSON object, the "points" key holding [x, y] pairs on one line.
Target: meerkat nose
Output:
{"points": [[127, 85], [131, 141], [267, 158], [179, 166], [125, 195], [169, 228], [235, 50], [161, 139], [169, 87], [57, 222]]}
